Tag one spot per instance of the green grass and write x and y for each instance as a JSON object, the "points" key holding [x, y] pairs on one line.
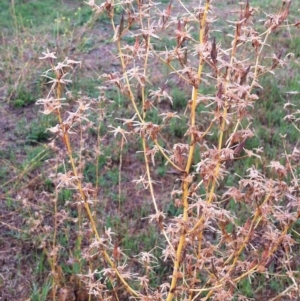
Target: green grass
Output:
{"points": [[40, 16], [40, 293], [35, 131], [269, 122], [180, 99], [23, 97], [295, 46], [164, 43]]}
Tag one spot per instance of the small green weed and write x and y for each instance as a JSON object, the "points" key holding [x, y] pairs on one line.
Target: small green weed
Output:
{"points": [[23, 98], [180, 99]]}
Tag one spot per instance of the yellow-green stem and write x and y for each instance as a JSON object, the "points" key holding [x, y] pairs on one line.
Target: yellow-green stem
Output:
{"points": [[185, 185], [84, 199]]}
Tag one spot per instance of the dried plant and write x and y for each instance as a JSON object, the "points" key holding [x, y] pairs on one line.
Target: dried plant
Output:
{"points": [[210, 248]]}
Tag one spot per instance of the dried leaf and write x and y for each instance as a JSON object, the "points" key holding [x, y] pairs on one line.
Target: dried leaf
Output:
{"points": [[214, 51]]}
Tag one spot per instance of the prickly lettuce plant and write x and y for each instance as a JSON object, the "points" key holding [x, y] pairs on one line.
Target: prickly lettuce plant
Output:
{"points": [[224, 236]]}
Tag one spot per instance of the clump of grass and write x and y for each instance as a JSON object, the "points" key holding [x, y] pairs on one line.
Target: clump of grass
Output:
{"points": [[217, 242]]}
